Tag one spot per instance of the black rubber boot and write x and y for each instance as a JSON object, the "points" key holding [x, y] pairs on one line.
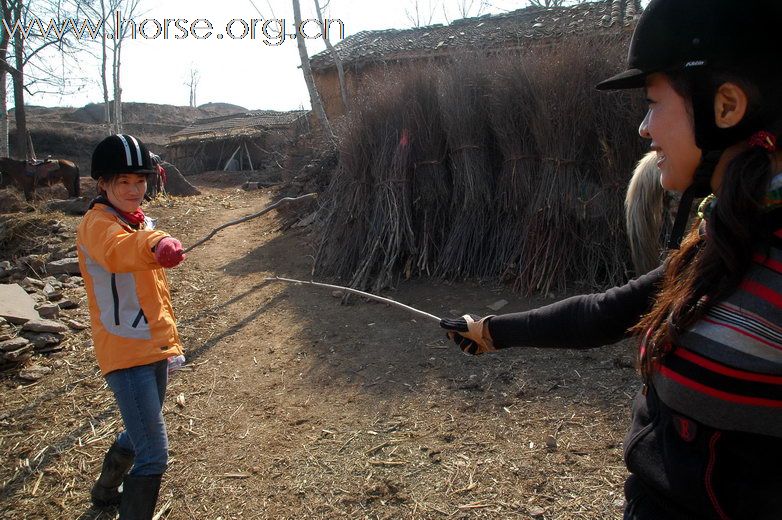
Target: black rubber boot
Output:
{"points": [[139, 496], [116, 465]]}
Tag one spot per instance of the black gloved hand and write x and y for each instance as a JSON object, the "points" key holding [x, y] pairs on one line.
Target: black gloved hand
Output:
{"points": [[470, 333]]}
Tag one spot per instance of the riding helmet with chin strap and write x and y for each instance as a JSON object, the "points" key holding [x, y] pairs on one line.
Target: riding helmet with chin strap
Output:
{"points": [[695, 40], [121, 153]]}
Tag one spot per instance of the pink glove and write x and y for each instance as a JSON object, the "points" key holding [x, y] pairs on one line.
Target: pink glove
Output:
{"points": [[169, 252]]}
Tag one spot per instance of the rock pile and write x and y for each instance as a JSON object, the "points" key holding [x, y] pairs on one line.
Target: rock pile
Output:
{"points": [[43, 304], [37, 317]]}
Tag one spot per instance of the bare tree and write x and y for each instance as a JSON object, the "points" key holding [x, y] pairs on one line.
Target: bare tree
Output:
{"points": [[4, 68], [465, 9], [550, 3], [124, 10], [18, 79], [104, 14], [29, 46], [420, 14], [192, 84], [317, 105], [343, 90], [111, 13]]}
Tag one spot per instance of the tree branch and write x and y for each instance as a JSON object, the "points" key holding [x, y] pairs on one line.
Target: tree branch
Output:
{"points": [[248, 217], [375, 297]]}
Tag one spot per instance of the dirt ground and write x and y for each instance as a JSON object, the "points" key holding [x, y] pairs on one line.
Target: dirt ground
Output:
{"points": [[296, 406]]}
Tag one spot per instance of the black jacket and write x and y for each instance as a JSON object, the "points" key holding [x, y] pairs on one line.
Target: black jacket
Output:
{"points": [[680, 468]]}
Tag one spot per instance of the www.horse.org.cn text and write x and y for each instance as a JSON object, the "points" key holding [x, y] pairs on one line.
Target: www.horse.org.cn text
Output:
{"points": [[271, 31]]}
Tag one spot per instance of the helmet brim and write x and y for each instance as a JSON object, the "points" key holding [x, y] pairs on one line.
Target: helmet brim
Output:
{"points": [[97, 175], [631, 78]]}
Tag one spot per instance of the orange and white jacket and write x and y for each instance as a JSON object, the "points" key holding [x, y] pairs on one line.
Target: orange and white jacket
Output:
{"points": [[133, 322]]}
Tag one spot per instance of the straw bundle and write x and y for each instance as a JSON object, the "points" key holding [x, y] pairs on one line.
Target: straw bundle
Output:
{"points": [[517, 174], [463, 98]]}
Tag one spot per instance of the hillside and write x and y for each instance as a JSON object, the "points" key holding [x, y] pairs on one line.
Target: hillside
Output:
{"points": [[72, 133]]}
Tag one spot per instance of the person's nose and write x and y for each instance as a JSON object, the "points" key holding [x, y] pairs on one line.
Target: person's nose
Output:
{"points": [[643, 130]]}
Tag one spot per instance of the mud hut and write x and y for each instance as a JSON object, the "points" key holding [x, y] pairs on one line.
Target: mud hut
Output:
{"points": [[369, 57], [237, 142]]}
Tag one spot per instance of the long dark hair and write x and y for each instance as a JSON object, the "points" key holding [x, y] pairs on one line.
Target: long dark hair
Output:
{"points": [[714, 256]]}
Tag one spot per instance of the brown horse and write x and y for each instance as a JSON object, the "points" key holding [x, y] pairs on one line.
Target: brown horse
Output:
{"points": [[27, 176]]}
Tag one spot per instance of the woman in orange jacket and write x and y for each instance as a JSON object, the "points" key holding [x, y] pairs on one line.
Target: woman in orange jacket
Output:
{"points": [[122, 257]]}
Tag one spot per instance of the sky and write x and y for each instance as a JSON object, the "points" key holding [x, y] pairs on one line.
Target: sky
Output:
{"points": [[241, 71]]}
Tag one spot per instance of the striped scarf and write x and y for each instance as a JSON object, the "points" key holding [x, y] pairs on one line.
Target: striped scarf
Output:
{"points": [[726, 369]]}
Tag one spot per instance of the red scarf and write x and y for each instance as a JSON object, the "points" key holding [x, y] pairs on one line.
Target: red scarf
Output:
{"points": [[135, 218]]}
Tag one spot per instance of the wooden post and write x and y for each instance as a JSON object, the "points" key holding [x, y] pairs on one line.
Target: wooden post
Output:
{"points": [[225, 168], [249, 159]]}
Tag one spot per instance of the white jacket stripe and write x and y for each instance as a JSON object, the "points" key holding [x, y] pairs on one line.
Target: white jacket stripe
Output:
{"points": [[118, 306]]}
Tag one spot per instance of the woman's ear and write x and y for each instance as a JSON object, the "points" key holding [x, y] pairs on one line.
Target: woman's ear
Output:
{"points": [[730, 105]]}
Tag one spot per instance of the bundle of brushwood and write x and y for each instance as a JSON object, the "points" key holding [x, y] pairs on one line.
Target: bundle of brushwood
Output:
{"points": [[431, 178], [369, 235], [347, 202], [587, 144], [615, 119], [509, 167], [512, 111], [464, 101], [389, 240]]}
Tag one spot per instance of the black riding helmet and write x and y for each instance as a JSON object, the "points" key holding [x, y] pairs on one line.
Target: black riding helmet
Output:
{"points": [[695, 39], [121, 153]]}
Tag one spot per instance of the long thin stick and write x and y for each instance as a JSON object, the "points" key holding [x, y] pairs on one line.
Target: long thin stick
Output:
{"points": [[415, 311], [248, 217]]}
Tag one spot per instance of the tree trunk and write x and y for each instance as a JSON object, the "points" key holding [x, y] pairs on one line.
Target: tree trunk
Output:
{"points": [[3, 98], [118, 94], [106, 105], [343, 90], [3, 110], [4, 40], [18, 80], [317, 106], [117, 90]]}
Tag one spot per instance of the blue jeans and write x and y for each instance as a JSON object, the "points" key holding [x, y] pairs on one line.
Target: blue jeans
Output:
{"points": [[140, 392]]}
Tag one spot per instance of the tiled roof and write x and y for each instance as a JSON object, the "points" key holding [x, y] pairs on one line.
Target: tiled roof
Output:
{"points": [[488, 31], [238, 124]]}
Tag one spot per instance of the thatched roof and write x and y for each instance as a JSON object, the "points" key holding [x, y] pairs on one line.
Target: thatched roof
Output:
{"points": [[511, 29], [244, 124]]}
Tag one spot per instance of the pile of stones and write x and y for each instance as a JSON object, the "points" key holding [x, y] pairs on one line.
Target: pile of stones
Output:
{"points": [[39, 314]]}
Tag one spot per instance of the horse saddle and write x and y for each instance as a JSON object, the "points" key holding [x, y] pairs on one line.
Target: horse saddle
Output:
{"points": [[41, 169]]}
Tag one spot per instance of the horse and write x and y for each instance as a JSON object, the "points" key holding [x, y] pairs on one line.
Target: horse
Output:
{"points": [[156, 181], [647, 215], [45, 173]]}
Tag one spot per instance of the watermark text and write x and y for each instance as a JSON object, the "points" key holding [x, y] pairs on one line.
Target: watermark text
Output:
{"points": [[270, 31]]}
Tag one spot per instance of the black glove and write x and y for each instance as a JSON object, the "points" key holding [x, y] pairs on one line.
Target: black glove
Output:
{"points": [[470, 333]]}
